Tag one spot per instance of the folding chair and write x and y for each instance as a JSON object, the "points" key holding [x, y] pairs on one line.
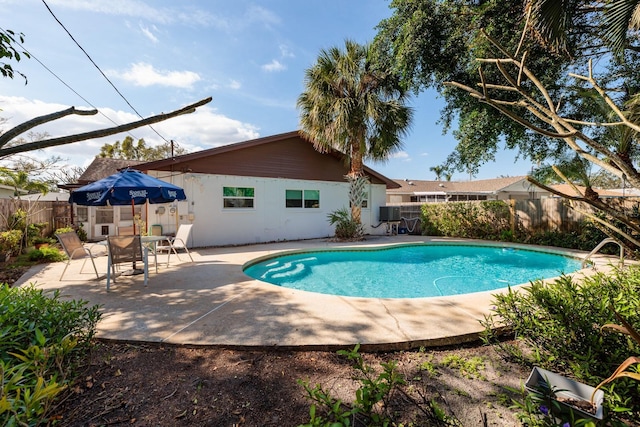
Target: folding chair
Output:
{"points": [[125, 249], [178, 242], [75, 249]]}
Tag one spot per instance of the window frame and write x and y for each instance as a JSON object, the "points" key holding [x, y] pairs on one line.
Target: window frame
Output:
{"points": [[309, 199], [228, 199]]}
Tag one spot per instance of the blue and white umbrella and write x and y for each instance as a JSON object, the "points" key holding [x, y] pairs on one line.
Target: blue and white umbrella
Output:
{"points": [[127, 187]]}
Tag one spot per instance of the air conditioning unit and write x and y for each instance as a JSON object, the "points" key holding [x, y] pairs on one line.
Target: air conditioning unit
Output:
{"points": [[389, 213]]}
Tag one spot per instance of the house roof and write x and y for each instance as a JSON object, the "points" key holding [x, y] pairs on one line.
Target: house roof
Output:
{"points": [[482, 186], [102, 167], [12, 189], [286, 155]]}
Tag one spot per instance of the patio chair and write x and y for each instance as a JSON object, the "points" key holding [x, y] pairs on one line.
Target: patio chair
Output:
{"points": [[125, 249], [125, 231], [178, 242], [75, 249]]}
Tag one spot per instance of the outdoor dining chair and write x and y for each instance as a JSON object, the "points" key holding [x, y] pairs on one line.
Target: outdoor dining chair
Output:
{"points": [[125, 249], [176, 243], [75, 249]]}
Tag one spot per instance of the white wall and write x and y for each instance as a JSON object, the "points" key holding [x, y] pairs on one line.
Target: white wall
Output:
{"points": [[268, 221]]}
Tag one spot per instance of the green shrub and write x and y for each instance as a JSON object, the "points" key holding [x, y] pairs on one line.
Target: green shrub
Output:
{"points": [[487, 220], [10, 242], [559, 324], [346, 228], [42, 340], [46, 254], [585, 238], [82, 234]]}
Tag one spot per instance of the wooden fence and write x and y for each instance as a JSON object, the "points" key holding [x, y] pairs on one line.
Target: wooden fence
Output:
{"points": [[54, 214], [534, 215]]}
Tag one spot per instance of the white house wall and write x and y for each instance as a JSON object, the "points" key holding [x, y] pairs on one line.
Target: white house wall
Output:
{"points": [[269, 220]]}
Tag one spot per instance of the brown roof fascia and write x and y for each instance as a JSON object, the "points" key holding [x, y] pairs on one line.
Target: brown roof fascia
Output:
{"points": [[175, 161]]}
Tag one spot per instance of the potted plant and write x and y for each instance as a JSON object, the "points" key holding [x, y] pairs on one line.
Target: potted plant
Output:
{"points": [[40, 242], [569, 395], [579, 397]]}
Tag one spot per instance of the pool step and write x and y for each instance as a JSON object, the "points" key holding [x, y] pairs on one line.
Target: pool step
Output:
{"points": [[281, 270]]}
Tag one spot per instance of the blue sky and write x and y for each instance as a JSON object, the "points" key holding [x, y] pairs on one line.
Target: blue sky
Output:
{"points": [[161, 55]]}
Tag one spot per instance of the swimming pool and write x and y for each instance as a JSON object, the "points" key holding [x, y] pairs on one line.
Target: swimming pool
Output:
{"points": [[410, 271]]}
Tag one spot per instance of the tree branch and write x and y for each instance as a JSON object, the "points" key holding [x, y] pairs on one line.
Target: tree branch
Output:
{"points": [[102, 132], [23, 127]]}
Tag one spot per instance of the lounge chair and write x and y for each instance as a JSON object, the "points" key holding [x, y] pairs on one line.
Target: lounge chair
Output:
{"points": [[75, 249], [178, 242]]}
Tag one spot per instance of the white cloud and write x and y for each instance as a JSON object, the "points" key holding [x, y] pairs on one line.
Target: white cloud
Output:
{"points": [[285, 52], [274, 66], [200, 130], [258, 14], [147, 32], [142, 74], [234, 84], [401, 155], [425, 154]]}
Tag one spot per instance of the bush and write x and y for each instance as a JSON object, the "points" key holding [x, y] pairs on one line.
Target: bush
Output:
{"points": [[487, 220], [10, 242], [346, 228], [46, 254], [559, 325], [42, 341], [82, 234]]}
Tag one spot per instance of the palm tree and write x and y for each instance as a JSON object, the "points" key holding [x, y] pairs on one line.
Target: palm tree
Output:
{"points": [[354, 106], [438, 170], [20, 180], [554, 19]]}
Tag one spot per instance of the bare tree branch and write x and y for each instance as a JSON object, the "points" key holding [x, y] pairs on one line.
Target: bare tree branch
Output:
{"points": [[101, 132], [23, 127]]}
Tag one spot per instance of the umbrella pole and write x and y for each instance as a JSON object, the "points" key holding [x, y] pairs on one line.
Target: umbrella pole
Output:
{"points": [[133, 217]]}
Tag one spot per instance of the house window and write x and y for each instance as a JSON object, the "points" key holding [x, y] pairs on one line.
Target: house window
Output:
{"points": [[126, 215], [82, 214], [238, 197], [294, 198], [104, 215], [309, 199], [312, 199]]}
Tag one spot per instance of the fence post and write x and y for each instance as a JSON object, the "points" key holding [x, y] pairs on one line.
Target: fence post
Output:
{"points": [[512, 216]]}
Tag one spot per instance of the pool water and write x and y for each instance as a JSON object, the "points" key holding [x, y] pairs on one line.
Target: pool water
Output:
{"points": [[410, 271]]}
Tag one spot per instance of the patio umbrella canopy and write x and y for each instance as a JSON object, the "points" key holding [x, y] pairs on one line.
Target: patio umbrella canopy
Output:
{"points": [[127, 187]]}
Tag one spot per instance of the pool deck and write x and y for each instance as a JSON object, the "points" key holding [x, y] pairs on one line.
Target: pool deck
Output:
{"points": [[212, 302]]}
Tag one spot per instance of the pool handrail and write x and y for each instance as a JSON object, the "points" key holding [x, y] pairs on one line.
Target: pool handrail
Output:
{"points": [[599, 246]]}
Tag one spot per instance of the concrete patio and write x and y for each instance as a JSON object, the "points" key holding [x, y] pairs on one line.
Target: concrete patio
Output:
{"points": [[212, 302]]}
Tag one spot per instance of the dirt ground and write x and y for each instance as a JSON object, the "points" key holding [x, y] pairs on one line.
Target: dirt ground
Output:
{"points": [[162, 385]]}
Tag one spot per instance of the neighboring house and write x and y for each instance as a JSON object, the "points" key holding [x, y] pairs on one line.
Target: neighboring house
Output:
{"points": [[101, 221], [51, 196], [511, 188], [263, 190], [9, 192]]}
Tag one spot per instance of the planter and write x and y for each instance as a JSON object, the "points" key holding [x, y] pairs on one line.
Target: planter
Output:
{"points": [[568, 393]]}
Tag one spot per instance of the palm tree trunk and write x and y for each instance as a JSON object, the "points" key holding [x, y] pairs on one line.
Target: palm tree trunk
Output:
{"points": [[357, 170]]}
